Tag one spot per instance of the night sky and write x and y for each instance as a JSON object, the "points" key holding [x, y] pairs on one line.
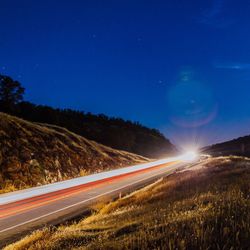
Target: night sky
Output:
{"points": [[180, 66]]}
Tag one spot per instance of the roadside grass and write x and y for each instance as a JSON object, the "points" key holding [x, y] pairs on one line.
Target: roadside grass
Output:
{"points": [[203, 208], [8, 187]]}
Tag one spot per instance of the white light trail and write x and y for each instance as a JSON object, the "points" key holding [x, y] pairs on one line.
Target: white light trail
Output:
{"points": [[41, 190]]}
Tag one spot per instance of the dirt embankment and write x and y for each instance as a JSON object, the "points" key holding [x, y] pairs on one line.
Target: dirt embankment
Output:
{"points": [[33, 154]]}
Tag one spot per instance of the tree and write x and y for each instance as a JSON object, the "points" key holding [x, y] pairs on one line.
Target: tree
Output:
{"points": [[11, 93]]}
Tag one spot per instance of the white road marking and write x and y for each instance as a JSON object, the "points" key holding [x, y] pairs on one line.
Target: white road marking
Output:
{"points": [[78, 203]]}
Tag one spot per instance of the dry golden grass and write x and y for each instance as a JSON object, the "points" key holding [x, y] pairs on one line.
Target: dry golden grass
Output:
{"points": [[207, 208], [35, 154], [8, 187]]}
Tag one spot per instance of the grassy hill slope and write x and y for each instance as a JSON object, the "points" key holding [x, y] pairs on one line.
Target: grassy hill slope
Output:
{"points": [[32, 154], [112, 132], [206, 207], [239, 146]]}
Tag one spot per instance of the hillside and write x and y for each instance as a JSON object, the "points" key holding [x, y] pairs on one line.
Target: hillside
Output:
{"points": [[32, 154], [205, 207], [239, 146], [113, 132]]}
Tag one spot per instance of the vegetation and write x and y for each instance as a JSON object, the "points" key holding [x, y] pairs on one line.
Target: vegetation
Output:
{"points": [[206, 207], [113, 132], [11, 92], [239, 146], [35, 154]]}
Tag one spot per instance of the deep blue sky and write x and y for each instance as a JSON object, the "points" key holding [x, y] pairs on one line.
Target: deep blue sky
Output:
{"points": [[180, 66]]}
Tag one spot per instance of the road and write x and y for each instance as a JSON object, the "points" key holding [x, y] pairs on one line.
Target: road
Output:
{"points": [[20, 216]]}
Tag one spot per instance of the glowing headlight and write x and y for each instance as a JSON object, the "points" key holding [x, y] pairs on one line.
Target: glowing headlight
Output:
{"points": [[189, 156]]}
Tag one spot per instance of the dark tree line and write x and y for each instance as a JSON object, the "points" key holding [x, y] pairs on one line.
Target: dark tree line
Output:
{"points": [[114, 132], [239, 147], [11, 93]]}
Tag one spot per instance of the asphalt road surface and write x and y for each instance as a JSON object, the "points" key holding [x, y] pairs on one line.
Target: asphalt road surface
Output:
{"points": [[22, 216]]}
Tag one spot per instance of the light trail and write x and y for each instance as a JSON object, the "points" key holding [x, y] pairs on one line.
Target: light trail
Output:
{"points": [[55, 205], [79, 182], [73, 205], [41, 200]]}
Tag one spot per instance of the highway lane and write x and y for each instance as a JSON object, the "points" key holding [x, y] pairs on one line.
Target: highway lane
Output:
{"points": [[22, 216]]}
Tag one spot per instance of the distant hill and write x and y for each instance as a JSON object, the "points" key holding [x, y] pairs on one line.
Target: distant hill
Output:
{"points": [[239, 146], [113, 132], [33, 154]]}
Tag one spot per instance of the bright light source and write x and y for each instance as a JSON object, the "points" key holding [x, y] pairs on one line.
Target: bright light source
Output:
{"points": [[189, 156]]}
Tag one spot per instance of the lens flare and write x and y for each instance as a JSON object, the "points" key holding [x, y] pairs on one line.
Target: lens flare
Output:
{"points": [[191, 102]]}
